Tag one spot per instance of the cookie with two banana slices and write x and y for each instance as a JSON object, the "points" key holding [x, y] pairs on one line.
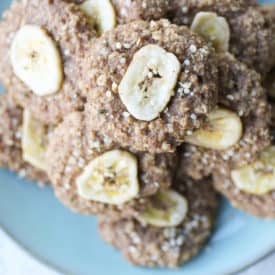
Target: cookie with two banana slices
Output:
{"points": [[150, 84], [22, 141], [241, 27], [41, 43], [92, 175], [237, 131], [172, 228]]}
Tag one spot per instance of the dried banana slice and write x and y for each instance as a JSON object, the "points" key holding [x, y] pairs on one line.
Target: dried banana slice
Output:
{"points": [[168, 208], [259, 177], [212, 28], [149, 82], [34, 141], [222, 130], [101, 14], [111, 178], [36, 60]]}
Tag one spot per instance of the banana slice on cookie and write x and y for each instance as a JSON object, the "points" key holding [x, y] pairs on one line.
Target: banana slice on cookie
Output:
{"points": [[101, 14], [34, 141], [111, 178], [167, 209], [212, 28], [257, 178], [36, 60], [223, 129], [149, 82]]}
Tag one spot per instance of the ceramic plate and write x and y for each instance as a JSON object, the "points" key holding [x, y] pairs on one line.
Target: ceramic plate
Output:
{"points": [[69, 242]]}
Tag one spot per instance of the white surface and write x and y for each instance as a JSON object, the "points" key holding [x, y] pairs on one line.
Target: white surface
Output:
{"points": [[15, 261]]}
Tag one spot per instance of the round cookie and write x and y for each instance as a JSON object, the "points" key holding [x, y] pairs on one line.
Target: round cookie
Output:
{"points": [[11, 155], [250, 29], [148, 245], [251, 187], [112, 108], [68, 32], [242, 93], [262, 205], [75, 149]]}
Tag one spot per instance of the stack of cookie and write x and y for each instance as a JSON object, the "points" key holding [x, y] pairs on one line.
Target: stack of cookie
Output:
{"points": [[140, 111]]}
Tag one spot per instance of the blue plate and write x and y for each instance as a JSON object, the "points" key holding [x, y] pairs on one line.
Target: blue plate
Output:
{"points": [[69, 242]]}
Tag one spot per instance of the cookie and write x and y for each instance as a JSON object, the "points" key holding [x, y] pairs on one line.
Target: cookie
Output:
{"points": [[149, 85], [11, 134], [250, 31], [166, 246], [242, 93], [41, 43], [251, 187], [92, 175]]}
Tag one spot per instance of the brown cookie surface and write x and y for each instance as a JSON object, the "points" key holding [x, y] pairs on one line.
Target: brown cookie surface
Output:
{"points": [[127, 11], [262, 205], [241, 92], [11, 155], [193, 97], [250, 29], [73, 146], [69, 29], [147, 245]]}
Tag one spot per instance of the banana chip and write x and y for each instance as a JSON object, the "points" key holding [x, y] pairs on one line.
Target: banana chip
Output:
{"points": [[212, 28], [111, 178], [149, 82], [168, 208], [257, 178], [36, 60], [101, 14], [34, 141], [223, 130]]}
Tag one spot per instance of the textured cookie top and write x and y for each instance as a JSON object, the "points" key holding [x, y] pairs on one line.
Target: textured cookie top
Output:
{"points": [[185, 10], [242, 93], [127, 11], [11, 155], [139, 9], [75, 149], [250, 29], [66, 27], [148, 245], [112, 59]]}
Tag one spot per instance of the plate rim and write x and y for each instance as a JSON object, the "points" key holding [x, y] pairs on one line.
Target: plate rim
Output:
{"points": [[257, 259]]}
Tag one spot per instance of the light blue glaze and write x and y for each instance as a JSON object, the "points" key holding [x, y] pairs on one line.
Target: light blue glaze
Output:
{"points": [[68, 241]]}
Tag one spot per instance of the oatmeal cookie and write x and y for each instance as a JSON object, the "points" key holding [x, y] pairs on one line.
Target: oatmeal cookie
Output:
{"points": [[250, 29], [41, 43], [11, 154], [170, 246], [92, 175], [242, 93], [252, 187], [149, 84]]}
